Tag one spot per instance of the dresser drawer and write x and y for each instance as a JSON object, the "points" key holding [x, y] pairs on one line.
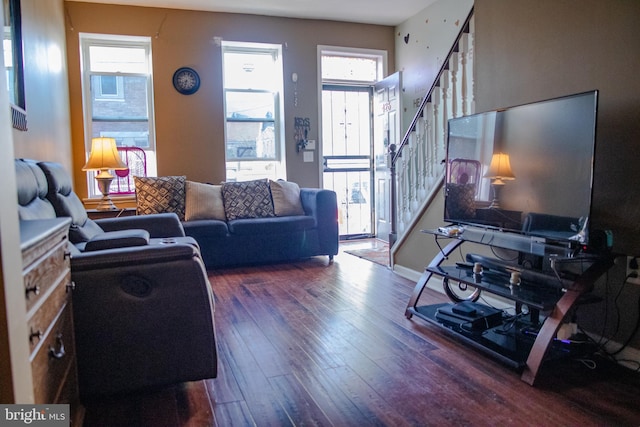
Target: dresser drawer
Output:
{"points": [[46, 272], [44, 314], [53, 360], [39, 236]]}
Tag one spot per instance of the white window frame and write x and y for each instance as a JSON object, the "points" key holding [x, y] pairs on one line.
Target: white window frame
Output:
{"points": [[275, 50], [141, 42]]}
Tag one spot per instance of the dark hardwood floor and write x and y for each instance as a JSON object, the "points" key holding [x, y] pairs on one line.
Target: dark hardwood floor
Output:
{"points": [[313, 343]]}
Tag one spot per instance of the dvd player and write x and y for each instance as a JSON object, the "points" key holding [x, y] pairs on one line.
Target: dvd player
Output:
{"points": [[470, 315]]}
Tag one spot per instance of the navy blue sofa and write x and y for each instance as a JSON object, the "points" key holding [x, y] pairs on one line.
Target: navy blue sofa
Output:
{"points": [[274, 239]]}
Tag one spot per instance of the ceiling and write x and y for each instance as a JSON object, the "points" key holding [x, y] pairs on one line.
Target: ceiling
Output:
{"points": [[382, 12]]}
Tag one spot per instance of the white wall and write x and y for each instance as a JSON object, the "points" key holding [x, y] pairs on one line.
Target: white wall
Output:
{"points": [[422, 44], [46, 84]]}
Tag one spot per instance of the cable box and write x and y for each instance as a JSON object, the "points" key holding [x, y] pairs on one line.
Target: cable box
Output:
{"points": [[470, 315]]}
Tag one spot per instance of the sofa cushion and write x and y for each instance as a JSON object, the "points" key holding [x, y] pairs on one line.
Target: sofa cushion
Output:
{"points": [[203, 201], [247, 199], [277, 225], [160, 194], [206, 228], [286, 198]]}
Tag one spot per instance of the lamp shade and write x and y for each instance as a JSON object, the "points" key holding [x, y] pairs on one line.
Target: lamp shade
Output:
{"points": [[500, 168], [104, 155]]}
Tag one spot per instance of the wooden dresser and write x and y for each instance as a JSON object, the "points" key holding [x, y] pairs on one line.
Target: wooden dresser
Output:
{"points": [[47, 282]]}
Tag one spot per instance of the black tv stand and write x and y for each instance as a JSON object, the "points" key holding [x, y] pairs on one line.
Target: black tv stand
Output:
{"points": [[522, 341]]}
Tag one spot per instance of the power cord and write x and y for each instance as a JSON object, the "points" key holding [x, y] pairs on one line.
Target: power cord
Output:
{"points": [[602, 343], [635, 329], [589, 363]]}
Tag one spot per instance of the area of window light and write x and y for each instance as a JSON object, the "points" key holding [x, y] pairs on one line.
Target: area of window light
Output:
{"points": [[118, 59], [247, 171], [250, 105], [250, 141], [350, 68], [250, 70], [8, 52]]}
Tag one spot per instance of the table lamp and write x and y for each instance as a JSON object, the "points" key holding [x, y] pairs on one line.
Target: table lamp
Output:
{"points": [[103, 157], [499, 172]]}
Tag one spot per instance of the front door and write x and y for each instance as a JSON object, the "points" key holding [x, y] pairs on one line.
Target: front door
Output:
{"points": [[386, 124], [346, 150]]}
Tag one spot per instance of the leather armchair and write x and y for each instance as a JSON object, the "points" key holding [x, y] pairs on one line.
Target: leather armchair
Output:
{"points": [[142, 304], [143, 317]]}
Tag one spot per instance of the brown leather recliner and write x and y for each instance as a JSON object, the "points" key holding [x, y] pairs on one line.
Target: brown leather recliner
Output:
{"points": [[143, 308]]}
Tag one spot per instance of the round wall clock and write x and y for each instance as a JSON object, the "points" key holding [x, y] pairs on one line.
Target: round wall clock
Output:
{"points": [[186, 80]]}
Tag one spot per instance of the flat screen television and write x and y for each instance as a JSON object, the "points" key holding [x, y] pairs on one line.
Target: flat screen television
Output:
{"points": [[526, 169]]}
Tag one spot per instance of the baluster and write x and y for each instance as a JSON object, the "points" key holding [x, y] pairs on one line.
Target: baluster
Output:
{"points": [[436, 128], [407, 186], [413, 164], [407, 193], [444, 95], [464, 52], [453, 73], [429, 138], [404, 176], [420, 160], [470, 60]]}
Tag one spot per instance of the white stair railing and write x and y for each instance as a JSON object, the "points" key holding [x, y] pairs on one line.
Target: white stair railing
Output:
{"points": [[417, 164]]}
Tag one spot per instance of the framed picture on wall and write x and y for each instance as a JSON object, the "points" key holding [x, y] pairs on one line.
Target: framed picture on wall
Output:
{"points": [[13, 56]]}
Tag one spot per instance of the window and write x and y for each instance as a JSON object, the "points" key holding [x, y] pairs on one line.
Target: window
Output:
{"points": [[351, 66], [118, 102], [252, 93]]}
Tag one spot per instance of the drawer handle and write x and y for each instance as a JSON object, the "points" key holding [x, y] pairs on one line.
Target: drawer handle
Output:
{"points": [[35, 289], [71, 286], [35, 335], [67, 254], [59, 353]]}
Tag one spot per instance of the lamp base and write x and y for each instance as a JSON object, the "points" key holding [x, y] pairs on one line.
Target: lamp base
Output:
{"points": [[495, 204], [106, 204]]}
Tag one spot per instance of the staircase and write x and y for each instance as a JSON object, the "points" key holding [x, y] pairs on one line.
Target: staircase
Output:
{"points": [[417, 165]]}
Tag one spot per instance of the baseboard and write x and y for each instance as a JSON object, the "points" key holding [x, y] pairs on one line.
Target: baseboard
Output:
{"points": [[629, 357], [407, 273]]}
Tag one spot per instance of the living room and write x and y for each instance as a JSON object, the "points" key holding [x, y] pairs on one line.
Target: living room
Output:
{"points": [[524, 52]]}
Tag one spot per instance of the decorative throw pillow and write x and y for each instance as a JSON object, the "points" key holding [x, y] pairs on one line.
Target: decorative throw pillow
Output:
{"points": [[460, 202], [203, 201], [286, 198], [160, 195], [247, 199]]}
